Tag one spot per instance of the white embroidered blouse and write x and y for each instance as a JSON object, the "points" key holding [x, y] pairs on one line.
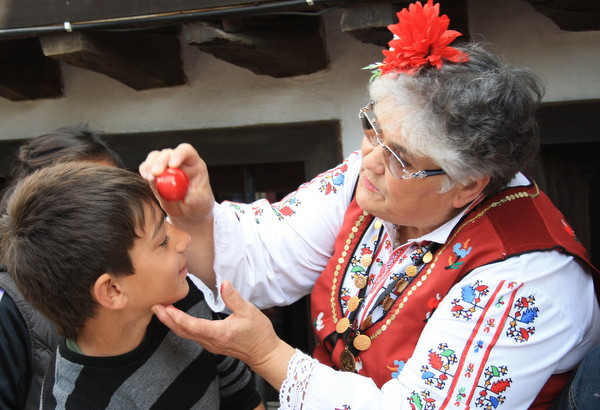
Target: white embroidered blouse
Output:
{"points": [[273, 254]]}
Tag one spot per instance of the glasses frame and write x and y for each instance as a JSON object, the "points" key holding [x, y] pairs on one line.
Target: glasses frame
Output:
{"points": [[377, 140]]}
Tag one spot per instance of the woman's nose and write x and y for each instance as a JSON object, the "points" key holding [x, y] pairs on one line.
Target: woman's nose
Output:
{"points": [[373, 157]]}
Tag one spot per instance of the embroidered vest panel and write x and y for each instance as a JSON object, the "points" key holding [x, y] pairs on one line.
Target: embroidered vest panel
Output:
{"points": [[513, 222]]}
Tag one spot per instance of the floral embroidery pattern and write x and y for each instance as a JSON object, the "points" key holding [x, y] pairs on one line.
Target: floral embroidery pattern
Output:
{"points": [[328, 183], [525, 312], [286, 206], [470, 369], [469, 300], [490, 397], [396, 368], [520, 313], [344, 297], [333, 179], [432, 304], [258, 213], [568, 228], [236, 206], [525, 315], [319, 321], [440, 362], [460, 252], [460, 396], [421, 401], [441, 368]]}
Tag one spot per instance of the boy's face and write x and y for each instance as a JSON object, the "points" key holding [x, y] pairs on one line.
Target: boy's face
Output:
{"points": [[159, 263]]}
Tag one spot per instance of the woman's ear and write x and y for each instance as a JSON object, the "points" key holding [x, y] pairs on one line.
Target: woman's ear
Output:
{"points": [[469, 192], [108, 293]]}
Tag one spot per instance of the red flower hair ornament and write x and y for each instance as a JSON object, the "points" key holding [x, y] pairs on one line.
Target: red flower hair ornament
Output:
{"points": [[421, 39]]}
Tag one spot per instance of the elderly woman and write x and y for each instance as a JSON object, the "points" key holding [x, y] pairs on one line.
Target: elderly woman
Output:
{"points": [[440, 274]]}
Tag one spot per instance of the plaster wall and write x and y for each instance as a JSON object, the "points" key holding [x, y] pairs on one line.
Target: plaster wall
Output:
{"points": [[219, 94]]}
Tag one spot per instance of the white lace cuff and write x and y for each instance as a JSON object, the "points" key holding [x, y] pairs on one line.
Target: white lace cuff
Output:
{"points": [[293, 388]]}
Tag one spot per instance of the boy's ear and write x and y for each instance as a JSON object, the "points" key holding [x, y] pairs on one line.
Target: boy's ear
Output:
{"points": [[108, 293]]}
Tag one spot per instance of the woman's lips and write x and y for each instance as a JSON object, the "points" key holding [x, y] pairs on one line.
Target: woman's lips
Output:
{"points": [[369, 185]]}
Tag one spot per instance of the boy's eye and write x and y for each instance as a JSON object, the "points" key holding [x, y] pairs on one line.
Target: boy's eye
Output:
{"points": [[165, 241]]}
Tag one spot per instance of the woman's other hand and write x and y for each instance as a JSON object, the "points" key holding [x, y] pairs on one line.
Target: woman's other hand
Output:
{"points": [[246, 334]]}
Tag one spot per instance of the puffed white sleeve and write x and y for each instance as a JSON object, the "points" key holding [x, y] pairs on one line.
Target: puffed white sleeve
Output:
{"points": [[274, 252]]}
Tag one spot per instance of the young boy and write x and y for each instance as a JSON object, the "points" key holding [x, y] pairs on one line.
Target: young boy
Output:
{"points": [[89, 246]]}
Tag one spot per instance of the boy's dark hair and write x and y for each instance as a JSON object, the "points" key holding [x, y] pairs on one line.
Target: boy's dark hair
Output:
{"points": [[64, 226], [76, 143]]}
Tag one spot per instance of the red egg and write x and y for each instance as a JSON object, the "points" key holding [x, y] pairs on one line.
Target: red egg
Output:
{"points": [[172, 184]]}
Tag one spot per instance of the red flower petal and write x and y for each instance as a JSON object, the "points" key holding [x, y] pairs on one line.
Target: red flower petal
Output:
{"points": [[421, 38]]}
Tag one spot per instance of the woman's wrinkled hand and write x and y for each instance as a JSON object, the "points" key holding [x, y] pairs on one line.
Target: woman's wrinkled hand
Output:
{"points": [[246, 334]]}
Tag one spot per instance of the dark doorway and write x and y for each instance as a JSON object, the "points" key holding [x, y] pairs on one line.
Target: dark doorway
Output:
{"points": [[567, 166]]}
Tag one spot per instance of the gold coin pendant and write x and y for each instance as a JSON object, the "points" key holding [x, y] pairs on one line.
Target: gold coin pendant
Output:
{"points": [[387, 303], [362, 342], [342, 325], [366, 323], [347, 361], [401, 285], [411, 270], [427, 257], [360, 281], [353, 303], [366, 260]]}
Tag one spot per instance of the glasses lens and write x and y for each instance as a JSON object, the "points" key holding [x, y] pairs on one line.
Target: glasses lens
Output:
{"points": [[392, 162], [368, 129]]}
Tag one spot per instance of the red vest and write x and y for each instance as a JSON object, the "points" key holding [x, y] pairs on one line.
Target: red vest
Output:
{"points": [[513, 222]]}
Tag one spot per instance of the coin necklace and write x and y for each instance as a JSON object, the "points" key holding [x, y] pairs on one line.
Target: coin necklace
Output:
{"points": [[401, 282], [346, 326]]}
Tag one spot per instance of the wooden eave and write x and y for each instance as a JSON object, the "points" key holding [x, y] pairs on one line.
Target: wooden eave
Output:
{"points": [[138, 43]]}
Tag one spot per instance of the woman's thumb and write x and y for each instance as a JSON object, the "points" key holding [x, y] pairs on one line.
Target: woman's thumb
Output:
{"points": [[231, 296]]}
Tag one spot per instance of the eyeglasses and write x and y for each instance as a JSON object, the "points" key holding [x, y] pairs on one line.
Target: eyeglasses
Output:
{"points": [[394, 163]]}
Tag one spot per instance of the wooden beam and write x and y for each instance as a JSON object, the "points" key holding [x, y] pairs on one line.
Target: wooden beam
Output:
{"points": [[25, 73], [32, 13], [278, 47], [140, 60], [368, 22], [571, 15]]}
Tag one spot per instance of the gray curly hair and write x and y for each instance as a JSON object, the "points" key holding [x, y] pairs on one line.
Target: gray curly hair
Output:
{"points": [[473, 119]]}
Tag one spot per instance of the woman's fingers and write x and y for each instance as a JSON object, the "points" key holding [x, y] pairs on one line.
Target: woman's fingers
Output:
{"points": [[199, 330], [246, 334]]}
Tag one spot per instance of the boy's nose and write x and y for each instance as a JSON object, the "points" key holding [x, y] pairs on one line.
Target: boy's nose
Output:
{"points": [[183, 240]]}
